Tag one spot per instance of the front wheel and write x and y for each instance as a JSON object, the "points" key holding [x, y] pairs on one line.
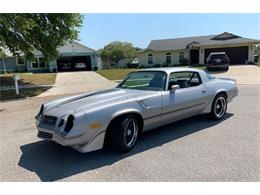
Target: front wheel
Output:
{"points": [[219, 107], [123, 133]]}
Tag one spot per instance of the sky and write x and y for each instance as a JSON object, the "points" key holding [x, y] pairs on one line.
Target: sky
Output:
{"points": [[99, 30]]}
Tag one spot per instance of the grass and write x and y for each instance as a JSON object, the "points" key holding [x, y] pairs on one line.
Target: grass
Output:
{"points": [[24, 93], [115, 74], [29, 78]]}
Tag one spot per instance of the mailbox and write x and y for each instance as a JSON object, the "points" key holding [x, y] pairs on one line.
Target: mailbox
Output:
{"points": [[16, 77]]}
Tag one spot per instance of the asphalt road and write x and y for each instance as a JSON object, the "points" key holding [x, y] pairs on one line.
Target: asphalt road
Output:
{"points": [[195, 149]]}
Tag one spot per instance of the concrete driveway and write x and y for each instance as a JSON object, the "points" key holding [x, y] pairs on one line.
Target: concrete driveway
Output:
{"points": [[195, 149], [244, 74], [78, 82]]}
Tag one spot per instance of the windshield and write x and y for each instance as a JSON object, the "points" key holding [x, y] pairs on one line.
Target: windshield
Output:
{"points": [[145, 80]]}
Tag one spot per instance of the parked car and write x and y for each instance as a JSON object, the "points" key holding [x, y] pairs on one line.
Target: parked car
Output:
{"points": [[217, 60], [145, 100], [80, 65]]}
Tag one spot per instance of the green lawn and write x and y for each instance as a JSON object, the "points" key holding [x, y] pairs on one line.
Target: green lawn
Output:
{"points": [[115, 74], [29, 92], [28, 78]]}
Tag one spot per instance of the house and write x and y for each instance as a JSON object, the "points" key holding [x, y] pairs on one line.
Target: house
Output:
{"points": [[124, 63], [73, 56], [196, 49]]}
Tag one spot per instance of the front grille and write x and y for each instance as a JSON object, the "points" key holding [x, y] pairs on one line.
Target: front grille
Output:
{"points": [[48, 120], [44, 135]]}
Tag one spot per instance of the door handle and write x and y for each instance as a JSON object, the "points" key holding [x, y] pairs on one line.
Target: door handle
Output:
{"points": [[204, 91]]}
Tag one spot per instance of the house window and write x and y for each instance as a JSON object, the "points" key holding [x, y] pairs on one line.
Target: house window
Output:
{"points": [[20, 61], [168, 58], [181, 56], [35, 63], [150, 59], [39, 63], [42, 63]]}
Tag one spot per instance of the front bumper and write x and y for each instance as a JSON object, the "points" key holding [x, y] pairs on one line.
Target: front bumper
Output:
{"points": [[82, 142]]}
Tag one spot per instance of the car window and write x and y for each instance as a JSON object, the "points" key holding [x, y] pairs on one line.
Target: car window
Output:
{"points": [[218, 56], [145, 80], [184, 79]]}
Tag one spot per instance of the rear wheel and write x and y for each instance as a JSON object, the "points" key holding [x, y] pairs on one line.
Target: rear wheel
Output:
{"points": [[219, 107], [123, 133]]}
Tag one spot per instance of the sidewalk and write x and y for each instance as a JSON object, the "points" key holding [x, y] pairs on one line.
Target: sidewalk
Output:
{"points": [[78, 82]]}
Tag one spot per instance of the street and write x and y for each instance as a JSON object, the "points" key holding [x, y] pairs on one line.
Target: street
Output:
{"points": [[194, 149]]}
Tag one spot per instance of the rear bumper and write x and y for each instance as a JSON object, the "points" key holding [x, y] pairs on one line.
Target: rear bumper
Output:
{"points": [[217, 65]]}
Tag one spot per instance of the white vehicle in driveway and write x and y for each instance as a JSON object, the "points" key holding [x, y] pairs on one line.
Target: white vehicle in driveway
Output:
{"points": [[145, 100], [80, 65]]}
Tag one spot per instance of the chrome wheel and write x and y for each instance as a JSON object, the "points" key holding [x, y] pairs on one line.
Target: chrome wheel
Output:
{"points": [[220, 107], [131, 132]]}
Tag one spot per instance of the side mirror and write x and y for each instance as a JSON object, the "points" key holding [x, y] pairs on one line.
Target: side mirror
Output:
{"points": [[174, 87]]}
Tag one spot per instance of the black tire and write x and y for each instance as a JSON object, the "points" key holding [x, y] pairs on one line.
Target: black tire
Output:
{"points": [[227, 68], [123, 133], [219, 107]]}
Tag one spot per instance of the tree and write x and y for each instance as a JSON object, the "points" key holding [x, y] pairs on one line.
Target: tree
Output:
{"points": [[115, 51], [21, 34]]}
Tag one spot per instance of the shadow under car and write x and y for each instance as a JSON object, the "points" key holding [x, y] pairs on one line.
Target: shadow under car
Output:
{"points": [[52, 162]]}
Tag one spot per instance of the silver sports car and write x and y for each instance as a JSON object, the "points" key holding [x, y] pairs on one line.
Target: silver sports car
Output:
{"points": [[145, 100]]}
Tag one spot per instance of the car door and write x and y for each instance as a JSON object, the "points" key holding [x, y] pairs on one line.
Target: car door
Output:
{"points": [[185, 101]]}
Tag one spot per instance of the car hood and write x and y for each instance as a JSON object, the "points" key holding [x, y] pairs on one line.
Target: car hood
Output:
{"points": [[94, 100]]}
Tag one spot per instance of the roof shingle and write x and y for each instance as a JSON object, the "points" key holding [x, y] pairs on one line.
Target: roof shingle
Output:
{"points": [[182, 43]]}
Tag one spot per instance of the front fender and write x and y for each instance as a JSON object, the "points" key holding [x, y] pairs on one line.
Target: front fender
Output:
{"points": [[125, 111]]}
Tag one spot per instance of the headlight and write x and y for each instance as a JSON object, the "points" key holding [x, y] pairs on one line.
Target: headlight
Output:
{"points": [[69, 123], [40, 112]]}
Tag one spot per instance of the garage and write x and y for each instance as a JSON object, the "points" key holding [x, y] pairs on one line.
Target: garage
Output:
{"points": [[237, 55], [74, 63]]}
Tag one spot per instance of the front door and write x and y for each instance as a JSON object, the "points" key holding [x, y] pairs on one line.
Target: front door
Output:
{"points": [[187, 101], [194, 56]]}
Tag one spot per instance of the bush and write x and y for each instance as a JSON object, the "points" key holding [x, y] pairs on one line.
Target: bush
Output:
{"points": [[184, 62], [157, 65], [165, 65], [251, 63], [129, 65], [141, 66], [197, 65]]}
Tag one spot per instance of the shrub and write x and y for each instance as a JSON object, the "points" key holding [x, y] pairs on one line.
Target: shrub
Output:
{"points": [[157, 65], [251, 63], [184, 62], [141, 66], [129, 65], [165, 65]]}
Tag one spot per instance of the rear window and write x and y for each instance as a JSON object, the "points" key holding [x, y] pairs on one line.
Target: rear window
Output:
{"points": [[217, 56]]}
